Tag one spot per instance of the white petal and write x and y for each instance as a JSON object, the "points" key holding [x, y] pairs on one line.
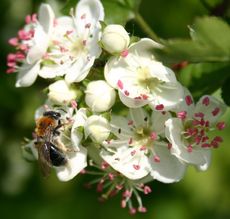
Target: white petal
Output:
{"points": [[64, 24], [39, 112], [39, 47], [173, 132], [52, 71], [169, 169], [88, 12], [46, 17], [125, 163], [27, 75], [131, 102], [158, 121], [183, 106], [138, 116], [209, 110], [79, 120], [116, 69], [169, 94], [34, 150], [159, 71], [79, 70], [120, 127], [144, 47], [76, 162]]}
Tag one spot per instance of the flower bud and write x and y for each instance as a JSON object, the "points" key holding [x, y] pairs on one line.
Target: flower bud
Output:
{"points": [[97, 127], [115, 39], [60, 92], [99, 96]]}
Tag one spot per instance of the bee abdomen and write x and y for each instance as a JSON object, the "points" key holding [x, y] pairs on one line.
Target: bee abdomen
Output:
{"points": [[57, 158]]}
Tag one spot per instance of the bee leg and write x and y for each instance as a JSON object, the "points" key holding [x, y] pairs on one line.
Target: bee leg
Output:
{"points": [[55, 131]]}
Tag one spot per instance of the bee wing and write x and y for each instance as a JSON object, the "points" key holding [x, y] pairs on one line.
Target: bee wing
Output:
{"points": [[44, 158]]}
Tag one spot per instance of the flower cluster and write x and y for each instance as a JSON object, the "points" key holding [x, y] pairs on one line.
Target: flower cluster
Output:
{"points": [[113, 110]]}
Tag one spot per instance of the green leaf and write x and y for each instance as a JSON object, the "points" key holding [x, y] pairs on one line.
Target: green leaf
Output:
{"points": [[214, 32], [120, 11], [176, 51], [116, 11], [204, 78], [210, 42], [225, 91]]}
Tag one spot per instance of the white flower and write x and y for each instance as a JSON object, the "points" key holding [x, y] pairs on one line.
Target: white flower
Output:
{"points": [[62, 46], [61, 93], [69, 141], [97, 127], [137, 150], [99, 96], [189, 133], [36, 37], [141, 80], [85, 48], [115, 39]]}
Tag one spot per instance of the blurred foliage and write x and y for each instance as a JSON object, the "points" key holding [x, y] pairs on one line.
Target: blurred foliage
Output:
{"points": [[25, 194], [208, 49]]}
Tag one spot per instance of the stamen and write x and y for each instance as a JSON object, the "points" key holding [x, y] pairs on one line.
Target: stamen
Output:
{"points": [[147, 190], [144, 96], [153, 136], [130, 141], [130, 122], [124, 53], [156, 159], [28, 19], [215, 111], [88, 25], [136, 166], [83, 16], [142, 209], [104, 165], [188, 100], [199, 115], [126, 93], [159, 107], [133, 152], [132, 211], [189, 148], [206, 101], [74, 104], [169, 146], [220, 125], [182, 115], [120, 84], [13, 41]]}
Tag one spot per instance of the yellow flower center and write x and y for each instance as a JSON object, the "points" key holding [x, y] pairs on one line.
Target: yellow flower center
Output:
{"points": [[146, 80]]}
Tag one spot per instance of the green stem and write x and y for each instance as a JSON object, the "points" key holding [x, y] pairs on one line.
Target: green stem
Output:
{"points": [[145, 27]]}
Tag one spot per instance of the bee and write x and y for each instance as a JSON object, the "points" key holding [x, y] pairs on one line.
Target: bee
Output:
{"points": [[47, 132]]}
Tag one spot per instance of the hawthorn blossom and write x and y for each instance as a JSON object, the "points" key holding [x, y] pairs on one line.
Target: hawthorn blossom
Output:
{"points": [[70, 140], [115, 39], [189, 133], [51, 47], [76, 42], [138, 148], [99, 96], [97, 128], [31, 45], [141, 80], [61, 93]]}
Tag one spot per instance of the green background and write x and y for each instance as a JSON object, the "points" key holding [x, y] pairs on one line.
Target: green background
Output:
{"points": [[25, 194]]}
